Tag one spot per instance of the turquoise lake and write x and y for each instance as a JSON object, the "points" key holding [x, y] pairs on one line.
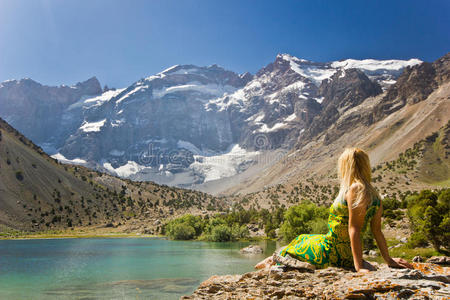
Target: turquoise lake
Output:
{"points": [[119, 268]]}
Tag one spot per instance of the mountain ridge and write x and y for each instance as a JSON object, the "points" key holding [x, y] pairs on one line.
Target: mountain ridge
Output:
{"points": [[143, 127]]}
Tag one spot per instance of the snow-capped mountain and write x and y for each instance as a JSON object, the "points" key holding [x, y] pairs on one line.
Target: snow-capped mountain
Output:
{"points": [[190, 124]]}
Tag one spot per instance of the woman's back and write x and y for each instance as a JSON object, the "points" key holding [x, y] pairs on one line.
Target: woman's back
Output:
{"points": [[333, 248], [338, 236]]}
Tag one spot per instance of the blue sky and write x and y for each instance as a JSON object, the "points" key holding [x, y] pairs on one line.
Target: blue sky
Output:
{"points": [[63, 42]]}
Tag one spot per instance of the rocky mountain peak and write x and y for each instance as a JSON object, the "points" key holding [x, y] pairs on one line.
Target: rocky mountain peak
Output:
{"points": [[247, 76], [90, 87], [414, 85], [347, 88]]}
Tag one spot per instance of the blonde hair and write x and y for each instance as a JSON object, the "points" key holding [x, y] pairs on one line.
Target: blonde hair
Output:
{"points": [[354, 167]]}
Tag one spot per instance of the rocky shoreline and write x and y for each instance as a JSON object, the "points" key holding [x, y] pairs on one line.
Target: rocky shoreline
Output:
{"points": [[425, 281]]}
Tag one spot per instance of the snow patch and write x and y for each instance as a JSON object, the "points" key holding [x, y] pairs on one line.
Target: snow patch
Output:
{"points": [[308, 70], [211, 89], [373, 64], [130, 168], [105, 97], [264, 128], [319, 99], [92, 126], [63, 159], [87, 102], [138, 88], [223, 165], [290, 118], [117, 123]]}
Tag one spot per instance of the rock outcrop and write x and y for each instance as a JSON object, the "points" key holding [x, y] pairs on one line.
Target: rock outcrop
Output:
{"points": [[414, 85], [425, 281], [252, 249]]}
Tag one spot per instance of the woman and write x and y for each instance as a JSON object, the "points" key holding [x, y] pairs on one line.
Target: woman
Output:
{"points": [[356, 205]]}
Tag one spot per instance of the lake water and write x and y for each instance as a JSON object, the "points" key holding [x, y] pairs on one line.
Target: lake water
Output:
{"points": [[122, 268]]}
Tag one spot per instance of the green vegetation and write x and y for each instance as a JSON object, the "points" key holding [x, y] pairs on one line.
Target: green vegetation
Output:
{"points": [[220, 228], [429, 213], [304, 218], [19, 175], [187, 227], [392, 210]]}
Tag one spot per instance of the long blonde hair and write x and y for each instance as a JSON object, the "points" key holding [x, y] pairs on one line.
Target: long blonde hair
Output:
{"points": [[354, 167]]}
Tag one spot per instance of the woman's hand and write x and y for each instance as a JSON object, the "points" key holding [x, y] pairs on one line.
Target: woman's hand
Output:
{"points": [[399, 263], [366, 267]]}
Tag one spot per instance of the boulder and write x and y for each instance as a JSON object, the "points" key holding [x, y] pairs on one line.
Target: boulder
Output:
{"points": [[252, 249], [439, 260], [417, 258]]}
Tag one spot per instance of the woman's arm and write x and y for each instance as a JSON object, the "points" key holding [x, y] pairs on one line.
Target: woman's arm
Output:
{"points": [[375, 225], [355, 224]]}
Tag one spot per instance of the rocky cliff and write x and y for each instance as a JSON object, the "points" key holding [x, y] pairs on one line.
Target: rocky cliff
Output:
{"points": [[37, 110]]}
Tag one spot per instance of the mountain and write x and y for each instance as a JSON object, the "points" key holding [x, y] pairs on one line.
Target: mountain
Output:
{"points": [[37, 110], [408, 113], [192, 126], [37, 193]]}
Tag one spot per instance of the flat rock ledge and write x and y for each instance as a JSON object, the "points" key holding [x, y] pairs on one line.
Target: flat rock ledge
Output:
{"points": [[425, 281]]}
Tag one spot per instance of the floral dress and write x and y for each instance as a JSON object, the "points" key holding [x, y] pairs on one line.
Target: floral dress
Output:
{"points": [[333, 248]]}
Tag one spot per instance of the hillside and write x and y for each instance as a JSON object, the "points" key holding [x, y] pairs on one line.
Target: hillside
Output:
{"points": [[38, 194], [424, 165]]}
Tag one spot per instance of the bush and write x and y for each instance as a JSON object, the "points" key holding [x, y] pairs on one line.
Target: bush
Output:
{"points": [[239, 232], [417, 239], [221, 233], [184, 228], [368, 239], [182, 231], [429, 213], [303, 218], [19, 175]]}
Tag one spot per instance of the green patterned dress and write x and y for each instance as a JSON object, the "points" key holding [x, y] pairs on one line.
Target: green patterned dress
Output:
{"points": [[333, 248]]}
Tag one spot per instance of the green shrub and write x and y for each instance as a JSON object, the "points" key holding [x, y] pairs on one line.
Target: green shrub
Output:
{"points": [[368, 239], [239, 232], [19, 175], [417, 239], [302, 218], [319, 225], [221, 233], [429, 213], [182, 231], [184, 228]]}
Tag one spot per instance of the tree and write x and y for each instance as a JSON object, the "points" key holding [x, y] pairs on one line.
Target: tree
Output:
{"points": [[304, 218], [429, 213]]}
